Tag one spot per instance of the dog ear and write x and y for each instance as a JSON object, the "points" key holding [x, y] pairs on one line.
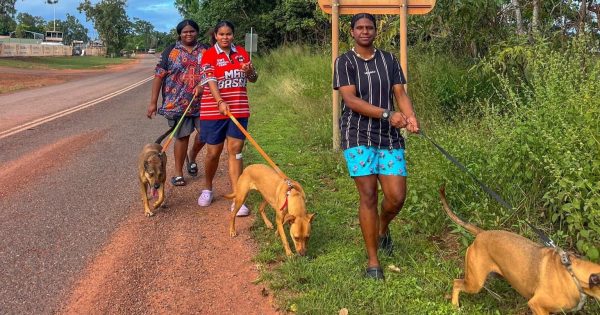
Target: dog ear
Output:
{"points": [[289, 219], [311, 217], [594, 280]]}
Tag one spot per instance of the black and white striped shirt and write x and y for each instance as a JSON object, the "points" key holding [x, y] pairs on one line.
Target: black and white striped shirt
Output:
{"points": [[373, 80]]}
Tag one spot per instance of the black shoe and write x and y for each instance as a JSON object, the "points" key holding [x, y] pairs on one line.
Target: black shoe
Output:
{"points": [[374, 273], [386, 244]]}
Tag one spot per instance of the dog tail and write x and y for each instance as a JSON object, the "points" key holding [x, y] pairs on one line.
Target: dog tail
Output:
{"points": [[164, 135], [468, 226]]}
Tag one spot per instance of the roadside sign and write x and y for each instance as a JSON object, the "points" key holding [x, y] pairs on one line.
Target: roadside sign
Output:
{"points": [[251, 43], [378, 6]]}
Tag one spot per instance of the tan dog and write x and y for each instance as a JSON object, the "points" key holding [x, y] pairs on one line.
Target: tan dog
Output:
{"points": [[275, 190], [535, 271], [152, 172]]}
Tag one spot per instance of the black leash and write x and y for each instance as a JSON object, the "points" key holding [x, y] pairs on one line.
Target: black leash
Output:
{"points": [[545, 238]]}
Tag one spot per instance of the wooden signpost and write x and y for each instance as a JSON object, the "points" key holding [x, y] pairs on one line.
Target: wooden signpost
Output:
{"points": [[400, 7]]}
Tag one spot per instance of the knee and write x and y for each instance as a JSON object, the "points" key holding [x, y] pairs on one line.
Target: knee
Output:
{"points": [[212, 156], [369, 199], [395, 202]]}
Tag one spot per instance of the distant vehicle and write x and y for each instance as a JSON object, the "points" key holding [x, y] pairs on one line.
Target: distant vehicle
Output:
{"points": [[151, 51]]}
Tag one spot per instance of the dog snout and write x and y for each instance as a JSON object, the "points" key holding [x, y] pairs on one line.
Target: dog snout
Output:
{"points": [[156, 185]]}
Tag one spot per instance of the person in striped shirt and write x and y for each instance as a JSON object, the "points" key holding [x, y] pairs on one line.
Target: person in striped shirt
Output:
{"points": [[368, 80], [226, 71]]}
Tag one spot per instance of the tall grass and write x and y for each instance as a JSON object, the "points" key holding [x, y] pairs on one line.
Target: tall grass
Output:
{"points": [[291, 119]]}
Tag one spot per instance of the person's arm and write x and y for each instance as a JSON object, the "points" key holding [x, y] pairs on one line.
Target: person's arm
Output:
{"points": [[405, 106], [156, 85]]}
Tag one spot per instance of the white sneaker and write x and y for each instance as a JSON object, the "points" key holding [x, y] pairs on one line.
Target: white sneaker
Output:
{"points": [[205, 198], [244, 211]]}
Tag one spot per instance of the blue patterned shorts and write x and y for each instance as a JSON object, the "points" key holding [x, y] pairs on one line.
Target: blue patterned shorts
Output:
{"points": [[364, 161]]}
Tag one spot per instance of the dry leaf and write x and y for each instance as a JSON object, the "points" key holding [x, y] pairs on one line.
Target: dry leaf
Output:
{"points": [[394, 268]]}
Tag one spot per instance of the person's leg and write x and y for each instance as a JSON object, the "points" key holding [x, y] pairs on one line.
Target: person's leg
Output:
{"points": [[179, 152], [236, 164], [367, 215], [211, 163], [196, 147], [394, 194]]}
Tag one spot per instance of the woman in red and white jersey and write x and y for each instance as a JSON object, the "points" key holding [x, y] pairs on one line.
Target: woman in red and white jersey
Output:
{"points": [[226, 71]]}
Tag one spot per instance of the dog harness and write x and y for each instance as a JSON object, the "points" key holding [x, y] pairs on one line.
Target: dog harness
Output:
{"points": [[287, 193], [566, 261]]}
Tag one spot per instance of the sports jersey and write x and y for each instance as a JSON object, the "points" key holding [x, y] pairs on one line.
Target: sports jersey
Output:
{"points": [[181, 72], [373, 80], [227, 71]]}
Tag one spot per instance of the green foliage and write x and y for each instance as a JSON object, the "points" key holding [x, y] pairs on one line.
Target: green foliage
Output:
{"points": [[276, 22], [72, 29], [552, 117], [28, 22], [7, 11], [110, 20]]}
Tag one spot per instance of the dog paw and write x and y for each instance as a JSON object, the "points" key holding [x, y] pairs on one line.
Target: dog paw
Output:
{"points": [[232, 233], [149, 213]]}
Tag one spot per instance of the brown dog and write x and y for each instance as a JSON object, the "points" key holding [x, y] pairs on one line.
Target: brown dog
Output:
{"points": [[284, 195], [535, 271], [152, 172]]}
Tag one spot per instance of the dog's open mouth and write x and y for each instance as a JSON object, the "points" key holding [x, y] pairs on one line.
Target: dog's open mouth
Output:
{"points": [[153, 192]]}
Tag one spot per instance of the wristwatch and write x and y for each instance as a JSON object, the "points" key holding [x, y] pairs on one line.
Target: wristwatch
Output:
{"points": [[385, 115]]}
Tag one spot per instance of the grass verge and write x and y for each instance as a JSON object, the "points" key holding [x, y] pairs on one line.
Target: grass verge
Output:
{"points": [[66, 62]]}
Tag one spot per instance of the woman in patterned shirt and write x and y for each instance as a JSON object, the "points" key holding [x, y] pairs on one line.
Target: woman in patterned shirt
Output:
{"points": [[177, 74]]}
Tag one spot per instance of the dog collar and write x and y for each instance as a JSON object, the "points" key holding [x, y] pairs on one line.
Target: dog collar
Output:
{"points": [[566, 261], [287, 193]]}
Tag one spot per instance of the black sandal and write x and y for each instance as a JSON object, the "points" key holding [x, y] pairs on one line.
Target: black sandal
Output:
{"points": [[192, 169], [374, 273], [177, 181]]}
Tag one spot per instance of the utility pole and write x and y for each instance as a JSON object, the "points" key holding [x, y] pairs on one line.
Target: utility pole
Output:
{"points": [[53, 2]]}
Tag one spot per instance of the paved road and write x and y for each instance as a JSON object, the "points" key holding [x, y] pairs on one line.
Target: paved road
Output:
{"points": [[72, 235], [25, 106]]}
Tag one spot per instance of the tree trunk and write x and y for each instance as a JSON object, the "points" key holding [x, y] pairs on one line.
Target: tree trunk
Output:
{"points": [[535, 20], [518, 17], [582, 16]]}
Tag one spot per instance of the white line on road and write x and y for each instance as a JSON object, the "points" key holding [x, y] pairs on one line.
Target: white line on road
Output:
{"points": [[68, 111]]}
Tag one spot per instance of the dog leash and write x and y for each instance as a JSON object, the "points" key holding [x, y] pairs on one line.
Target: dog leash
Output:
{"points": [[164, 149], [255, 144], [545, 238]]}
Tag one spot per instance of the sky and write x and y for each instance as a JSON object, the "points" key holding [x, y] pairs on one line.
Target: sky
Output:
{"points": [[160, 13]]}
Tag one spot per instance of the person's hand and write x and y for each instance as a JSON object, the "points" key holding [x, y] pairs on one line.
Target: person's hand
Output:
{"points": [[151, 111], [248, 68], [398, 120], [198, 91], [223, 107], [413, 124]]}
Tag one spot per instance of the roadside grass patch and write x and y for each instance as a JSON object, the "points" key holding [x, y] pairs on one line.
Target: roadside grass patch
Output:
{"points": [[62, 62]]}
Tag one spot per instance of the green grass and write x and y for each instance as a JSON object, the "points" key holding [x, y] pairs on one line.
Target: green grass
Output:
{"points": [[291, 120], [66, 62]]}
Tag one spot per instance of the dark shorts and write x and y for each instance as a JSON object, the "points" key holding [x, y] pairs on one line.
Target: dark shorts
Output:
{"points": [[215, 131], [187, 126]]}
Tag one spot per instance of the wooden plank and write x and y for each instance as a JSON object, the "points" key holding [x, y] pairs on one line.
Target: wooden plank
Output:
{"points": [[378, 6]]}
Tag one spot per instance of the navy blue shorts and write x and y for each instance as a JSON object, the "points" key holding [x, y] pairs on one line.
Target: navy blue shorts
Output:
{"points": [[215, 131]]}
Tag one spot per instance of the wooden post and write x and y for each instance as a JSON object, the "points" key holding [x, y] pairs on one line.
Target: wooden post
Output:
{"points": [[335, 47], [404, 41]]}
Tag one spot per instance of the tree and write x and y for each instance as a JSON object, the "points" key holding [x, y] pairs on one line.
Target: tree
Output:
{"points": [[72, 29], [29, 23], [518, 16], [110, 20], [7, 12]]}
